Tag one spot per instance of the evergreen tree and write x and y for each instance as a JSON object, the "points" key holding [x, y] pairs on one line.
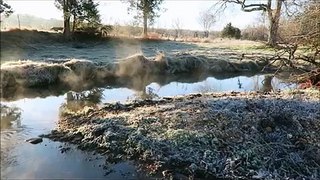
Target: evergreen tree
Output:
{"points": [[80, 10], [231, 32], [146, 10], [5, 8]]}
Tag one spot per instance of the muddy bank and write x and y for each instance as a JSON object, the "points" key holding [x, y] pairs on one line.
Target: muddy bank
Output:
{"points": [[82, 72], [226, 135]]}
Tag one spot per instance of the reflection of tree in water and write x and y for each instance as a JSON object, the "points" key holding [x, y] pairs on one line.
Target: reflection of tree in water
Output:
{"points": [[147, 94], [266, 83], [78, 101], [239, 83], [205, 88], [10, 117], [10, 123]]}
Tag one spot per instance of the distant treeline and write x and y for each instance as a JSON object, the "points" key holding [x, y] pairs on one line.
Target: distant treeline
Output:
{"points": [[32, 22], [29, 22]]}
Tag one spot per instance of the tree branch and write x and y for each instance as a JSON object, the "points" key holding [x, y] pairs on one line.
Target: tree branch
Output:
{"points": [[248, 7], [253, 7]]}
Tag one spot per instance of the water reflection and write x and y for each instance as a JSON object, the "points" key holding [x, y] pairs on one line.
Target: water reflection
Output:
{"points": [[10, 125], [206, 87], [267, 84], [137, 83], [147, 94], [10, 117], [239, 84], [22, 160], [261, 83], [76, 101]]}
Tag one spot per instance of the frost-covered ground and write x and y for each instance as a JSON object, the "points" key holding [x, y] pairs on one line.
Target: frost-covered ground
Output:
{"points": [[43, 46], [132, 70], [233, 135], [227, 135]]}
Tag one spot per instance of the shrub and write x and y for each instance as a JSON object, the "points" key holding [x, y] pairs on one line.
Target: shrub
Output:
{"points": [[255, 33], [231, 32]]}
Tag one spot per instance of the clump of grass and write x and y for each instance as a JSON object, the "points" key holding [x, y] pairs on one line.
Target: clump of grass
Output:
{"points": [[186, 63], [139, 65], [37, 74], [30, 74]]}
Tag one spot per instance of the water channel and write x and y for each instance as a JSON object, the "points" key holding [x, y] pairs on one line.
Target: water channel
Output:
{"points": [[30, 116]]}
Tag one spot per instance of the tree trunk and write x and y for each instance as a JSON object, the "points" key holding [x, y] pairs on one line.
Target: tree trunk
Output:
{"points": [[145, 25], [74, 23], [273, 33], [66, 27], [274, 17], [66, 19]]}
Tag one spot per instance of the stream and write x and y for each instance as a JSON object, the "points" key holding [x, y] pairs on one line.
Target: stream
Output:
{"points": [[40, 114]]}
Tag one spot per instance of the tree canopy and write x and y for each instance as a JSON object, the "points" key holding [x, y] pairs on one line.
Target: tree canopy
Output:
{"points": [[5, 8], [82, 11], [272, 8], [146, 10], [231, 32], [89, 12]]}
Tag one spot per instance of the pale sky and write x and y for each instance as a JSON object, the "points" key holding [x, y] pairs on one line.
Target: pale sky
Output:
{"points": [[187, 11]]}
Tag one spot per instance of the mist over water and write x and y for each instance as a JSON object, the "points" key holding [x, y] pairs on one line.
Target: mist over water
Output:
{"points": [[39, 115], [39, 108]]}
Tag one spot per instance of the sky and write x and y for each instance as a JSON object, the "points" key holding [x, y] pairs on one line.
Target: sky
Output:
{"points": [[115, 11]]}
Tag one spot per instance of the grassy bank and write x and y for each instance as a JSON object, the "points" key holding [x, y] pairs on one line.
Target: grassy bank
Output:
{"points": [[19, 44], [219, 135], [137, 68]]}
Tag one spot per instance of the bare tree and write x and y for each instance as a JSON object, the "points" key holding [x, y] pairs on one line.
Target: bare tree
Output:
{"points": [[177, 26], [272, 8], [303, 30], [206, 20]]}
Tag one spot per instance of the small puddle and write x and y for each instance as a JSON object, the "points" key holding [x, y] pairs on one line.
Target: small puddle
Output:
{"points": [[49, 159]]}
